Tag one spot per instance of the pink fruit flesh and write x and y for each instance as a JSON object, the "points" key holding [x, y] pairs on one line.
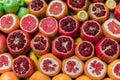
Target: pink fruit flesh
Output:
{"points": [[77, 3], [117, 70], [3, 61], [37, 5]]}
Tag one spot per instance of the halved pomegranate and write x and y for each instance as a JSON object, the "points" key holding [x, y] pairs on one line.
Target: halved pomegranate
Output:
{"points": [[40, 44], [63, 46], [107, 49], [49, 64], [72, 66], [68, 26], [5, 62], [91, 31], [117, 11], [23, 66], [95, 68], [77, 5], [98, 12], [37, 7], [18, 42], [84, 50]]}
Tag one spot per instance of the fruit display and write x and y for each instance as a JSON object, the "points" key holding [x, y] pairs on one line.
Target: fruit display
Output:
{"points": [[59, 39]]}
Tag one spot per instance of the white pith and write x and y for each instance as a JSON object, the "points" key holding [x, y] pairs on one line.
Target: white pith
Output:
{"points": [[78, 65], [51, 65], [56, 1], [14, 21], [90, 70], [106, 26], [113, 70], [9, 62]]}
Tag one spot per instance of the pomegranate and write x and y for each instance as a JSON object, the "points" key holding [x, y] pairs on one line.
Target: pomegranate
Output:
{"points": [[63, 46], [117, 11]]}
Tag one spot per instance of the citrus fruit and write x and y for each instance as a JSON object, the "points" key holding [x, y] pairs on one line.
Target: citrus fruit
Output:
{"points": [[21, 3], [2, 1], [37, 7], [57, 9], [117, 12], [97, 1], [114, 70], [48, 26], [72, 66], [61, 76], [5, 62], [27, 2], [1, 10], [29, 23], [37, 75], [111, 29], [111, 4], [107, 79], [49, 64], [8, 23], [11, 6], [95, 68], [83, 77], [82, 15], [78, 40]]}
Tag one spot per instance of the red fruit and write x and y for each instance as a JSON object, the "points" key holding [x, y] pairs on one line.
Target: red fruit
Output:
{"points": [[18, 42], [97, 1], [84, 50], [91, 31], [98, 12], [63, 46], [68, 26], [40, 44], [23, 66], [77, 5], [107, 49], [49, 64], [48, 26], [29, 23], [3, 45], [72, 66], [117, 11]]}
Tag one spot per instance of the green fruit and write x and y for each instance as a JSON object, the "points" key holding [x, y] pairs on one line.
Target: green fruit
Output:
{"points": [[22, 11], [1, 10], [11, 6], [21, 3], [2, 1]]}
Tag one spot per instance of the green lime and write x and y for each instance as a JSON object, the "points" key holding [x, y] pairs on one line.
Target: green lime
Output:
{"points": [[22, 11], [21, 3], [2, 1], [1, 10], [11, 6]]}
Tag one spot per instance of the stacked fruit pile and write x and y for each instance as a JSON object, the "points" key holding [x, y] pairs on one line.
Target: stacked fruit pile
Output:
{"points": [[59, 40]]}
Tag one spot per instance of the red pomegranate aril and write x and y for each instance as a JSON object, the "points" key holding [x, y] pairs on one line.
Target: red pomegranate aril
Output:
{"points": [[77, 5], [37, 5]]}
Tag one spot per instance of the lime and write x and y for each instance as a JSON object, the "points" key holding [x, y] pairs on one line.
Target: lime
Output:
{"points": [[82, 16], [1, 10], [2, 1], [111, 4], [21, 3]]}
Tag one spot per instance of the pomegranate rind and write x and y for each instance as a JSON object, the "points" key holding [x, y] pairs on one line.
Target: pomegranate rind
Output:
{"points": [[81, 57], [98, 19], [79, 64], [30, 70], [107, 32], [13, 27], [50, 57], [40, 52], [26, 47], [59, 54], [60, 15], [94, 39], [50, 34], [77, 9], [39, 13], [111, 67], [94, 76], [10, 61], [71, 33], [102, 55], [35, 27]]}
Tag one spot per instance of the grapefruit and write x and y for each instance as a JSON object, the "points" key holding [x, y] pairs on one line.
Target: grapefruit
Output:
{"points": [[48, 26], [57, 9], [83, 77], [8, 23], [107, 79]]}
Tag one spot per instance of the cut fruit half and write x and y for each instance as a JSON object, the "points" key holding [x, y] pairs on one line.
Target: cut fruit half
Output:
{"points": [[111, 4], [8, 23], [49, 64], [111, 29], [72, 66], [95, 68], [48, 26], [57, 9]]}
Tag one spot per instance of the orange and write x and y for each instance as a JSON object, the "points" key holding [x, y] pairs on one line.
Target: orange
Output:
{"points": [[39, 76], [107, 79], [83, 77], [61, 76]]}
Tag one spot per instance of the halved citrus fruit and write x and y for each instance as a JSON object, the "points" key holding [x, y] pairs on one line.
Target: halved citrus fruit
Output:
{"points": [[111, 4], [48, 26], [57, 9], [111, 29], [107, 79], [83, 77], [8, 23]]}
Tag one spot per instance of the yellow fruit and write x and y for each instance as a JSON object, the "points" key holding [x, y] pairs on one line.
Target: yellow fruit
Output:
{"points": [[78, 40], [82, 16], [27, 2], [111, 4], [83, 77]]}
